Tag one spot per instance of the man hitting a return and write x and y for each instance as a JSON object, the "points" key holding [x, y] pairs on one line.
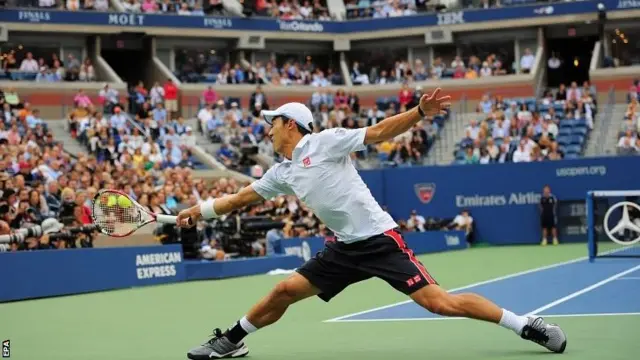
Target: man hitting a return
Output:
{"points": [[318, 170]]}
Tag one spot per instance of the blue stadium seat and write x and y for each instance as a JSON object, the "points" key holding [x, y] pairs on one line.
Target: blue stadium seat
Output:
{"points": [[577, 139], [563, 140], [581, 122], [567, 123], [579, 130], [565, 132], [571, 155], [558, 107], [573, 149], [562, 148]]}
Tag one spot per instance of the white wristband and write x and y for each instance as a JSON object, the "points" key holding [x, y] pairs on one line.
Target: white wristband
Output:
{"points": [[207, 209]]}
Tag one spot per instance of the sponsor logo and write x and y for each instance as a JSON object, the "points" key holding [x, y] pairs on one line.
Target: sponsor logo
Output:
{"points": [[519, 198], [126, 19], [218, 23], [452, 240], [545, 10], [582, 171], [301, 26], [425, 192], [451, 18], [306, 161], [625, 223], [150, 266], [628, 4], [34, 16], [414, 280], [6, 349]]}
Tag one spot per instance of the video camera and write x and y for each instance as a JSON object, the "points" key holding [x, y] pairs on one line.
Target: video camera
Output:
{"points": [[236, 233]]}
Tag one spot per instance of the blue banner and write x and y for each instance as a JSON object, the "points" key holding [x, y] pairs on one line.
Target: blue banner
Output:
{"points": [[270, 25], [35, 274], [503, 198], [419, 242]]}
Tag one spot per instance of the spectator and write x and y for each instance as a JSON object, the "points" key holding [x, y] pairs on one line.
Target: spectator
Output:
{"points": [[29, 64], [527, 61], [171, 98]]}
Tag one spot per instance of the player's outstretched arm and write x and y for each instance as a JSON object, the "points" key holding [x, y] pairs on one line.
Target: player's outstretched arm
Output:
{"points": [[221, 206], [430, 104]]}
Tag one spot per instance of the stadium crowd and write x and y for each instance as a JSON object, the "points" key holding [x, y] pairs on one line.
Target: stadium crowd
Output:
{"points": [[198, 66], [70, 5], [403, 71], [629, 135], [225, 122], [525, 130], [20, 63]]}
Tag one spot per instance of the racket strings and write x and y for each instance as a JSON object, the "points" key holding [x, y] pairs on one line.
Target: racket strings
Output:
{"points": [[113, 218]]}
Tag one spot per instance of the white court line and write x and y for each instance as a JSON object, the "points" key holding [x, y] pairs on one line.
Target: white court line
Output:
{"points": [[583, 291], [593, 315], [459, 318], [500, 278]]}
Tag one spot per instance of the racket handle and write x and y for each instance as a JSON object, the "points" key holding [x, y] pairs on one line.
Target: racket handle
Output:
{"points": [[166, 219], [169, 219]]}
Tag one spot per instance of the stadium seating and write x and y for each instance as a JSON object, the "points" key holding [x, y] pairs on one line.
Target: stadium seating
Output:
{"points": [[571, 139]]}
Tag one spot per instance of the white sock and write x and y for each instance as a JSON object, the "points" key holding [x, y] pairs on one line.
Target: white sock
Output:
{"points": [[512, 321], [247, 326]]}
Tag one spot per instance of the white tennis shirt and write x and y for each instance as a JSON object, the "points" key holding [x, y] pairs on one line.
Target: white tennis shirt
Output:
{"points": [[322, 175]]}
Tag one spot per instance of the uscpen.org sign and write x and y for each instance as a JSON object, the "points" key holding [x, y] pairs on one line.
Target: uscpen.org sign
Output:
{"points": [[301, 26], [157, 265]]}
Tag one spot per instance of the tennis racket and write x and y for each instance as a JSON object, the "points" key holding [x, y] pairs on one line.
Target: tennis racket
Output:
{"points": [[117, 215]]}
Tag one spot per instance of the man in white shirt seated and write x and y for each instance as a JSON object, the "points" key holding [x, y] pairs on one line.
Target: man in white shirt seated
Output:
{"points": [[626, 144], [29, 64], [463, 222], [521, 154], [416, 222]]}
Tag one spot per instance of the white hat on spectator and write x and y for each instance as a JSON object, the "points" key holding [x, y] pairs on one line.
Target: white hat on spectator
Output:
{"points": [[234, 104], [51, 225], [294, 111]]}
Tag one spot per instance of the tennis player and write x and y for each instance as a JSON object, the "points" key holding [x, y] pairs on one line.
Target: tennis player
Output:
{"points": [[318, 170]]}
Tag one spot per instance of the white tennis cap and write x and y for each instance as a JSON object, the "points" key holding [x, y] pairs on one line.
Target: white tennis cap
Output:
{"points": [[294, 111]]}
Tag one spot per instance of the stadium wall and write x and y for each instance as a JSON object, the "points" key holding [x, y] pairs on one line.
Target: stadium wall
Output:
{"points": [[503, 198], [46, 273]]}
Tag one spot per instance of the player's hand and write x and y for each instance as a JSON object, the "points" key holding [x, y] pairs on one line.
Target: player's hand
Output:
{"points": [[434, 104], [188, 218]]}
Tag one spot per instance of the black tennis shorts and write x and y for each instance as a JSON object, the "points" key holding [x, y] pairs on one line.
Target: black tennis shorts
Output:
{"points": [[548, 221], [385, 256]]}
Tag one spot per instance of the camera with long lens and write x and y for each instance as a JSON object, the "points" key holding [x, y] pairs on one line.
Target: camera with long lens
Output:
{"points": [[68, 234], [71, 234]]}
